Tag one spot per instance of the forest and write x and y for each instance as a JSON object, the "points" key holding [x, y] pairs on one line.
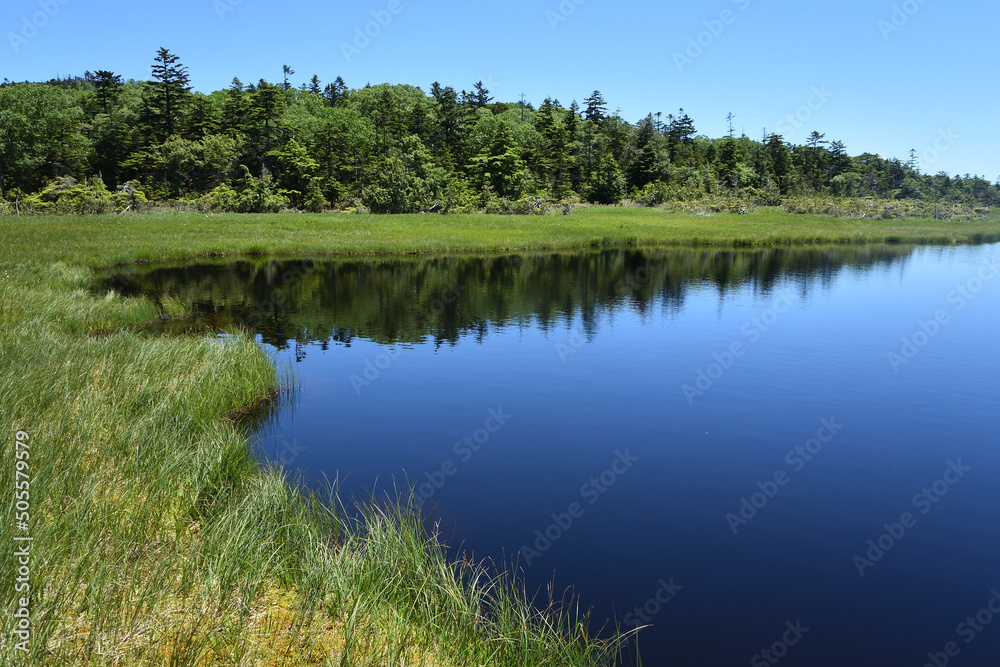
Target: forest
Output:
{"points": [[97, 143]]}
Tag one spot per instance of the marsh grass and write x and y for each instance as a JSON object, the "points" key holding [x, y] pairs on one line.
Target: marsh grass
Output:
{"points": [[159, 539], [106, 240]]}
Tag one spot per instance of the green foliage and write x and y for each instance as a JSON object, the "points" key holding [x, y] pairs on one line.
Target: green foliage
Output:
{"points": [[66, 195], [846, 185], [607, 183], [407, 181], [296, 171], [312, 198], [716, 204], [257, 195], [170, 92], [457, 197], [178, 166], [880, 209], [498, 168], [393, 189], [678, 190], [222, 198], [40, 135], [448, 151]]}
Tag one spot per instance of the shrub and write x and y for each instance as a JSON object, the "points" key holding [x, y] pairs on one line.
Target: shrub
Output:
{"points": [[257, 196], [881, 209], [66, 195], [313, 199]]}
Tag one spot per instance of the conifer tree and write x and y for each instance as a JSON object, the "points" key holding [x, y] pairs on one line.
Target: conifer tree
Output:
{"points": [[108, 85], [170, 90], [597, 108], [499, 165], [266, 106], [336, 92], [480, 96]]}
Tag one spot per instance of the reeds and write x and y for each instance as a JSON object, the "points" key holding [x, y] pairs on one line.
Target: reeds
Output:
{"points": [[158, 539]]}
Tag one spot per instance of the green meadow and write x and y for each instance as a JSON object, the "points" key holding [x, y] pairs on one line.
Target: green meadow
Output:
{"points": [[158, 538], [103, 240]]}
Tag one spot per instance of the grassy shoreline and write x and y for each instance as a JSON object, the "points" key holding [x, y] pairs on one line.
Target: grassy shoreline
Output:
{"points": [[107, 240], [158, 539]]}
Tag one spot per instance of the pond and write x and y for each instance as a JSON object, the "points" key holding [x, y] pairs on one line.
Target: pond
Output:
{"points": [[768, 454]]}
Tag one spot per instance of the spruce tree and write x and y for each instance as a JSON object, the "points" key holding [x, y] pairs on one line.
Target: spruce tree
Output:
{"points": [[267, 106], [480, 96], [607, 183], [597, 108], [448, 117], [107, 137], [572, 118], [780, 160], [202, 118], [335, 92], [499, 166], [646, 141], [236, 109], [108, 85], [839, 160], [559, 161], [572, 128], [170, 90]]}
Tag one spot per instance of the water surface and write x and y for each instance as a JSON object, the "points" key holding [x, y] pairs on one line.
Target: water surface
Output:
{"points": [[701, 441]]}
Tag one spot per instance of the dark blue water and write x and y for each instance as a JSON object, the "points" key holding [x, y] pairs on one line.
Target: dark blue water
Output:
{"points": [[786, 451]]}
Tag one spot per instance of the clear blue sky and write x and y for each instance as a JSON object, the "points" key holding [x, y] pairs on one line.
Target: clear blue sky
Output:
{"points": [[932, 80]]}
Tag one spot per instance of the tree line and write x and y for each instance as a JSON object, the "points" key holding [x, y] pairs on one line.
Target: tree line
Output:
{"points": [[266, 146]]}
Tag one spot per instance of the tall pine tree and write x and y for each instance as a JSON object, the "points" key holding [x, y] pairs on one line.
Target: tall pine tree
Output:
{"points": [[597, 108], [170, 90]]}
